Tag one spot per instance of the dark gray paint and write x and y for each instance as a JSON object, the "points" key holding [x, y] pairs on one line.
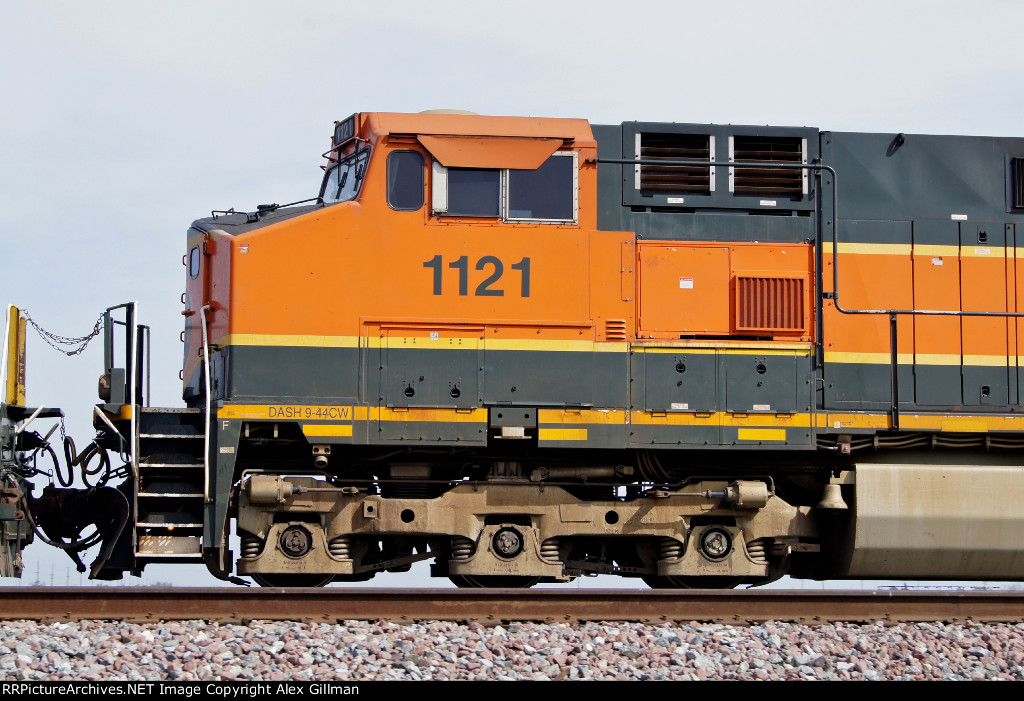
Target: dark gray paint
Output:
{"points": [[928, 177], [866, 387], [432, 376], [293, 374], [663, 384], [776, 387]]}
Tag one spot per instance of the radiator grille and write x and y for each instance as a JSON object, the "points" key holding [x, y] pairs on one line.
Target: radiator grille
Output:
{"points": [[770, 304], [768, 181], [675, 147], [615, 329], [1017, 177]]}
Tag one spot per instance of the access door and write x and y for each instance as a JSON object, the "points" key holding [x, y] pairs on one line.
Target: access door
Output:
{"points": [[984, 340], [937, 339]]}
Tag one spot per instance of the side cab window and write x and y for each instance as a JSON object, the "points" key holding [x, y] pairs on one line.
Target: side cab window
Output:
{"points": [[405, 180], [548, 194]]}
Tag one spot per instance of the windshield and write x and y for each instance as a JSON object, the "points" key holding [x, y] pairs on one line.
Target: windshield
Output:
{"points": [[343, 180]]}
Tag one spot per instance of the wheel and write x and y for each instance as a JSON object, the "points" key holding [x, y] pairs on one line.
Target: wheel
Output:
{"points": [[682, 582], [493, 581], [293, 580]]}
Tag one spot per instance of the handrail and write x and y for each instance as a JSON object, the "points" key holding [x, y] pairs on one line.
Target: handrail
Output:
{"points": [[818, 166], [144, 348], [206, 419], [133, 334], [834, 294]]}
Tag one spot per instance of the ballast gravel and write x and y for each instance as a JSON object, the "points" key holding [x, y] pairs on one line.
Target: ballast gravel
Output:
{"points": [[368, 651]]}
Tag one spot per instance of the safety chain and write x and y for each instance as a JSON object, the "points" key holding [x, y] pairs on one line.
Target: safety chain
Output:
{"points": [[55, 341]]}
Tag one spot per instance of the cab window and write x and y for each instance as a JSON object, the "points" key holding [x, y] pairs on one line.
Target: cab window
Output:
{"points": [[547, 194], [474, 192], [343, 180], [405, 180]]}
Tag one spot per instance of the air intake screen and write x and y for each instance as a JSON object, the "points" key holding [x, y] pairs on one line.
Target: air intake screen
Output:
{"points": [[675, 147], [1017, 177], [768, 181], [770, 305], [615, 329]]}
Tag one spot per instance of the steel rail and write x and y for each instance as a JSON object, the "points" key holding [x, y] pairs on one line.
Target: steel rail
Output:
{"points": [[334, 604]]}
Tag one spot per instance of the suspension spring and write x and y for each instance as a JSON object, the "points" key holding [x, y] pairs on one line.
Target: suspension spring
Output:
{"points": [[462, 548], [549, 550], [340, 548], [758, 550], [670, 549], [251, 546]]}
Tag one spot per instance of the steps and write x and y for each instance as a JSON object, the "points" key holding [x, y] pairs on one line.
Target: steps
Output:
{"points": [[169, 500]]}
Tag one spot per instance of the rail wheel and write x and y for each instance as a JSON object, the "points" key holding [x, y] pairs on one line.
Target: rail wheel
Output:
{"points": [[682, 582], [292, 580], [492, 581]]}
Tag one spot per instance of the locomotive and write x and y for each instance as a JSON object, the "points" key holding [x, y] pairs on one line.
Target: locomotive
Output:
{"points": [[531, 350]]}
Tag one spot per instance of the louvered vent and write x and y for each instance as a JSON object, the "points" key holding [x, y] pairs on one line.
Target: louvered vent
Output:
{"points": [[1017, 176], [770, 305], [615, 329], [675, 147], [768, 181]]}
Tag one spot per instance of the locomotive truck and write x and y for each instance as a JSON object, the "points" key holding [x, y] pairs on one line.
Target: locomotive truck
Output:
{"points": [[530, 350]]}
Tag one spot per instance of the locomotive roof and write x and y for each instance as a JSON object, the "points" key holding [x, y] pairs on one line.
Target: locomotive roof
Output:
{"points": [[576, 130]]}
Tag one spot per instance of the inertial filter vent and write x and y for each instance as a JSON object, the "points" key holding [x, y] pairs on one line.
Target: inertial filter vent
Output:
{"points": [[768, 181], [1017, 182], [675, 147]]}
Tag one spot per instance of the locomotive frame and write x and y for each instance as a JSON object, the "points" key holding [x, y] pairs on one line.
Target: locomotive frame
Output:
{"points": [[532, 349]]}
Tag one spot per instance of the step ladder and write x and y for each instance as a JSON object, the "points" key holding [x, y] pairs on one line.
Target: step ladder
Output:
{"points": [[169, 490]]}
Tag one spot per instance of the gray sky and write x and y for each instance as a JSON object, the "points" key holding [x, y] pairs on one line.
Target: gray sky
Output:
{"points": [[121, 122]]}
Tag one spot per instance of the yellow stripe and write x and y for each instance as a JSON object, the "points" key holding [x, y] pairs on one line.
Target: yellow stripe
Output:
{"points": [[993, 361], [562, 434], [937, 359], [961, 424], [752, 349], [923, 422], [737, 348], [300, 341], [762, 434], [437, 415], [327, 429], [942, 251], [831, 421], [919, 358], [876, 249], [741, 348], [615, 417], [838, 422], [866, 358], [719, 419], [523, 344], [253, 339], [993, 252], [905, 249], [286, 412], [675, 419]]}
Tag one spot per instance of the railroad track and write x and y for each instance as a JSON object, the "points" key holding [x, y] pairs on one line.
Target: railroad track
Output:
{"points": [[500, 605]]}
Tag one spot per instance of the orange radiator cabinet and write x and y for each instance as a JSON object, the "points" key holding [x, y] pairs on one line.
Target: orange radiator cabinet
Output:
{"points": [[691, 289]]}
